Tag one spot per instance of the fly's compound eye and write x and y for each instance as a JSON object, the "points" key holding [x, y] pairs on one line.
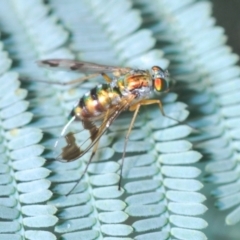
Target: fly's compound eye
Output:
{"points": [[160, 84], [160, 79]]}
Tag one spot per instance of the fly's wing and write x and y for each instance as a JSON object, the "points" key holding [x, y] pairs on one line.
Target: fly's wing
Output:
{"points": [[75, 142], [78, 66], [78, 138]]}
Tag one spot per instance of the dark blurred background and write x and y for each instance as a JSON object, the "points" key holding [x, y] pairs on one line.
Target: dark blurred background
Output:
{"points": [[227, 13]]}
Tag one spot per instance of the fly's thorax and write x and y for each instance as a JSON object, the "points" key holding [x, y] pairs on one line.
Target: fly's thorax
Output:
{"points": [[136, 82], [97, 101]]}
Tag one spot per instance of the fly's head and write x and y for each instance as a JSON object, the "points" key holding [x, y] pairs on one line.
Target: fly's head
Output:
{"points": [[160, 79]]}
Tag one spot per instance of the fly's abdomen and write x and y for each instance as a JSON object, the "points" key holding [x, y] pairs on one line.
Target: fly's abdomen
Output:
{"points": [[96, 102]]}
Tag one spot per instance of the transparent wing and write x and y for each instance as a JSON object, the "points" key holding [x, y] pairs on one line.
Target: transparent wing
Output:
{"points": [[85, 67], [78, 138]]}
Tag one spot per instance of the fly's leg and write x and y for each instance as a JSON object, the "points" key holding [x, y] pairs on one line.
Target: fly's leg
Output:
{"points": [[153, 101], [93, 137], [134, 108], [79, 80], [106, 78], [157, 101], [86, 168]]}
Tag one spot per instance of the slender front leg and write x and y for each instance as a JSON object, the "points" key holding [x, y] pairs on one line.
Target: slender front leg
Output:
{"points": [[152, 101]]}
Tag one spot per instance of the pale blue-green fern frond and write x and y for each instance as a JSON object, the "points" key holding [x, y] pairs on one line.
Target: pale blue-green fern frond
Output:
{"points": [[160, 198], [199, 57], [24, 187]]}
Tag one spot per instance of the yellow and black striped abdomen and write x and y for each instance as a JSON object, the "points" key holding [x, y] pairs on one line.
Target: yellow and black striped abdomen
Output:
{"points": [[96, 102]]}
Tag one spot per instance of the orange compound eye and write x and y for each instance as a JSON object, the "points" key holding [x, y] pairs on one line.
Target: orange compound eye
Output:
{"points": [[160, 79], [160, 84]]}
